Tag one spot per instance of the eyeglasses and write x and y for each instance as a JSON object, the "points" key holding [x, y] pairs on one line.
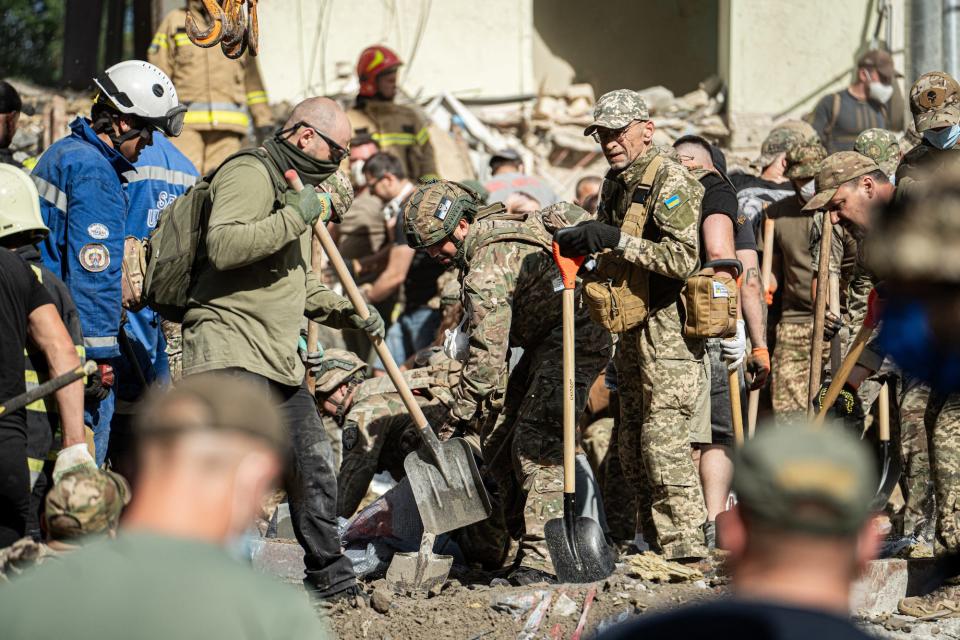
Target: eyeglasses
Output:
{"points": [[601, 135], [337, 152]]}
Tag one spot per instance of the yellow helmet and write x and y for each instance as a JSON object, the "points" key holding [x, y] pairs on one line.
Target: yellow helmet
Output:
{"points": [[19, 207]]}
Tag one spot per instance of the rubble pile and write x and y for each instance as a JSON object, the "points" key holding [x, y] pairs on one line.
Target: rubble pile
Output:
{"points": [[45, 117]]}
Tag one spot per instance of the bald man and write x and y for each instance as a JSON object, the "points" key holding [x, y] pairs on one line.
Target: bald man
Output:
{"points": [[250, 296]]}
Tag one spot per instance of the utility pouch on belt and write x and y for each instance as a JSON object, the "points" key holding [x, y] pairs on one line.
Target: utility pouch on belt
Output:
{"points": [[710, 301], [133, 270], [618, 293]]}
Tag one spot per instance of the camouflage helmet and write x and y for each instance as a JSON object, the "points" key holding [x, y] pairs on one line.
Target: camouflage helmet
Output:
{"points": [[340, 189], [804, 160], [935, 101], [337, 366], [881, 146], [85, 502], [432, 212]]}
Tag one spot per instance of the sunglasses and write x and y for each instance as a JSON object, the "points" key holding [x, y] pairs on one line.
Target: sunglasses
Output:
{"points": [[337, 152]]}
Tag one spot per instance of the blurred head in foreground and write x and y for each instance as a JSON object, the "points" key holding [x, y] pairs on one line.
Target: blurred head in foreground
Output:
{"points": [[210, 448], [802, 530]]}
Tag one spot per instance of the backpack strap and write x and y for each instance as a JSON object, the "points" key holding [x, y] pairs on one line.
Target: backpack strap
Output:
{"points": [[834, 115], [280, 185]]}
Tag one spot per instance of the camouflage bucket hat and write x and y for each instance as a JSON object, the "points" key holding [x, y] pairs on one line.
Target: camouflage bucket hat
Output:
{"points": [[837, 169], [85, 502], [916, 240], [881, 146], [340, 189], [795, 478], [617, 109], [336, 367], [432, 212], [804, 160], [935, 101]]}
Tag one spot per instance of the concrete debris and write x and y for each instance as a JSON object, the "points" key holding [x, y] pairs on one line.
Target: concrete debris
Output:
{"points": [[380, 600], [565, 606], [654, 568]]}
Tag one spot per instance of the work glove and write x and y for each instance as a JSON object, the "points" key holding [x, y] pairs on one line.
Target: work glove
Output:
{"points": [[758, 366], [587, 237], [847, 405], [310, 205], [831, 325], [734, 349], [372, 325], [99, 383], [73, 458]]}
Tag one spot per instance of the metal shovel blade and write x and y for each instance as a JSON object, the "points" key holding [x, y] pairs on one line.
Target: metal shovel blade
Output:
{"points": [[447, 485], [577, 546], [421, 571], [889, 478]]}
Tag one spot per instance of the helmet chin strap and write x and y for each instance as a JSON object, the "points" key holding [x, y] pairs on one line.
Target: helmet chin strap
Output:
{"points": [[459, 259], [106, 124]]}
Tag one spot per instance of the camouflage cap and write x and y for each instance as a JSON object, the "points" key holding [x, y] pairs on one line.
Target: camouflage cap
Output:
{"points": [[881, 146], [616, 109], [340, 189], [778, 141], [214, 402], [433, 210], [796, 478], [804, 160], [85, 502], [916, 240], [836, 169], [935, 101], [335, 368]]}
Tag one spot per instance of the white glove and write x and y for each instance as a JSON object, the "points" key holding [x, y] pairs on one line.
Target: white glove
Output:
{"points": [[734, 349], [72, 458]]}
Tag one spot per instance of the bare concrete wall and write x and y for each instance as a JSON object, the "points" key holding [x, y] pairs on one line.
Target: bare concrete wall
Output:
{"points": [[615, 44]]}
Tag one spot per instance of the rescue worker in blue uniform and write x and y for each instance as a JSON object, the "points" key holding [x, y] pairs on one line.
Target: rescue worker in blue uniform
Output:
{"points": [[82, 201], [163, 174]]}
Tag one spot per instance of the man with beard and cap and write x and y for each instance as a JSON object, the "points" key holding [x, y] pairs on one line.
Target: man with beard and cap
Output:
{"points": [[251, 293], [647, 233]]}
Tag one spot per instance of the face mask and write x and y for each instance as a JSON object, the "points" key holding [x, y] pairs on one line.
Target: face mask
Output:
{"points": [[893, 178], [356, 174], [944, 138], [906, 337], [288, 156], [808, 190], [880, 92]]}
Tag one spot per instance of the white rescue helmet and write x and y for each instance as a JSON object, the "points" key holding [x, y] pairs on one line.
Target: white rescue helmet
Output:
{"points": [[138, 88], [20, 207]]}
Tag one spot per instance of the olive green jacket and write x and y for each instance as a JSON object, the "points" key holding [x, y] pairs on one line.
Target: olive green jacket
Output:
{"points": [[250, 296]]}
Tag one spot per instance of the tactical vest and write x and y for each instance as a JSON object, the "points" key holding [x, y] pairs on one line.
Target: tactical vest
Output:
{"points": [[618, 293]]}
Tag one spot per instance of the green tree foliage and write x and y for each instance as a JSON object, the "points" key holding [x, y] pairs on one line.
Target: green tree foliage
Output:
{"points": [[32, 42]]}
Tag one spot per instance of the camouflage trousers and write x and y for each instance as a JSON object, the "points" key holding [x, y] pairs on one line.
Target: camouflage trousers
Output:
{"points": [[915, 482], [943, 416], [790, 371], [662, 382], [174, 349], [530, 428]]}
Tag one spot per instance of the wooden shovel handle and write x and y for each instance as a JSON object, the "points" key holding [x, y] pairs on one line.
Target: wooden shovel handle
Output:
{"points": [[733, 380], [883, 413], [356, 299], [568, 272], [820, 311]]}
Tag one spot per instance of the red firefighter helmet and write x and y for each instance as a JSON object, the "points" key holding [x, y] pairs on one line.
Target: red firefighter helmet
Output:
{"points": [[374, 61]]}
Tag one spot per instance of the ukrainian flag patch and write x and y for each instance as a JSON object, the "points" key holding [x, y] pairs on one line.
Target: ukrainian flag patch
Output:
{"points": [[672, 202]]}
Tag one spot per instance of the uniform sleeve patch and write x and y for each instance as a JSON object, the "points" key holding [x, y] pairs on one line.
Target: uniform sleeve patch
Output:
{"points": [[98, 231], [443, 208], [672, 202], [94, 257]]}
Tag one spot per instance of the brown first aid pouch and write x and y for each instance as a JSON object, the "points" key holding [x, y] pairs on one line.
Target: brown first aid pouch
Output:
{"points": [[710, 302], [133, 270]]}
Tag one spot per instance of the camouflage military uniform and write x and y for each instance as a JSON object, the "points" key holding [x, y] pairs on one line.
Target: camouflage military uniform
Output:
{"points": [[174, 348], [511, 299], [934, 102], [882, 146], [85, 502], [662, 376], [915, 483]]}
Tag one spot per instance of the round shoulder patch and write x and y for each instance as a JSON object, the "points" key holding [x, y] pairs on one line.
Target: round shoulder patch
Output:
{"points": [[94, 257], [98, 231]]}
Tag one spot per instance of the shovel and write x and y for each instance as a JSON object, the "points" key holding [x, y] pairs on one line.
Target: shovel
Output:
{"points": [[577, 547], [820, 312], [443, 475], [888, 477], [766, 269], [846, 367], [48, 387]]}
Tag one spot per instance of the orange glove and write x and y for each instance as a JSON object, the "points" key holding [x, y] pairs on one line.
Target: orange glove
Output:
{"points": [[758, 366]]}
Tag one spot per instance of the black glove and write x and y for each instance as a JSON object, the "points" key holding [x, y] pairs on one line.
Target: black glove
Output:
{"points": [[99, 383], [831, 325], [846, 406], [586, 238]]}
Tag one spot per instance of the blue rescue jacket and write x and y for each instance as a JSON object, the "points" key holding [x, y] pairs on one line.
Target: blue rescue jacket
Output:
{"points": [[82, 201], [162, 175]]}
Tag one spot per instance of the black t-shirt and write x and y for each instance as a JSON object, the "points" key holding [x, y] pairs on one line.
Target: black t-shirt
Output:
{"points": [[20, 294], [735, 619], [421, 282], [719, 197]]}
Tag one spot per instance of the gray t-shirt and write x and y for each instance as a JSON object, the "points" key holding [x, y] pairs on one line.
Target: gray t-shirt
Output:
{"points": [[852, 117]]}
